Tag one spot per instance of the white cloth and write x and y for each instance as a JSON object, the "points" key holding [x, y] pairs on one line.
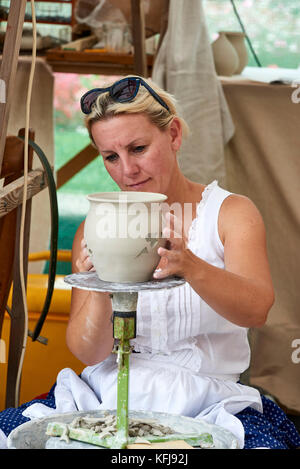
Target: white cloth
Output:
{"points": [[3, 440], [190, 357], [184, 66]]}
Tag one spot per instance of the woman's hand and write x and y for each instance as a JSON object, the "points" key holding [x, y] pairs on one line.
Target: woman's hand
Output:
{"points": [[84, 262], [175, 256]]}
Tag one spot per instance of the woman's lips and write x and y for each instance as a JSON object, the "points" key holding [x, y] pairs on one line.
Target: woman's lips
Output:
{"points": [[138, 184]]}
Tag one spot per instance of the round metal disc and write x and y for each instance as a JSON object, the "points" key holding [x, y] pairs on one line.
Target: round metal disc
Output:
{"points": [[91, 281]]}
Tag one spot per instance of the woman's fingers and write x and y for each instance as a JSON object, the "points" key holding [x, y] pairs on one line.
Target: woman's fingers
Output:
{"points": [[84, 262], [173, 253], [175, 226], [172, 237]]}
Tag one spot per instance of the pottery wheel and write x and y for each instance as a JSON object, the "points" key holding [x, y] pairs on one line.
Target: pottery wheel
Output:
{"points": [[124, 304], [91, 281]]}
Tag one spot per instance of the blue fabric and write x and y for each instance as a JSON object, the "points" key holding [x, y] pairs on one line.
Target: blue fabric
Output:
{"points": [[271, 429], [12, 417]]}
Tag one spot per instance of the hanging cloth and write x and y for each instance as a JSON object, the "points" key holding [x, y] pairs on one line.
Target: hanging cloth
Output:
{"points": [[184, 67]]}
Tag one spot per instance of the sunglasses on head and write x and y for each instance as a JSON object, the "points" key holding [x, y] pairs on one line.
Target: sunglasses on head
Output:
{"points": [[122, 91]]}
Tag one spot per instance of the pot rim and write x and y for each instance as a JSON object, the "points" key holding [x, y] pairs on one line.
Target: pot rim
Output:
{"points": [[129, 197]]}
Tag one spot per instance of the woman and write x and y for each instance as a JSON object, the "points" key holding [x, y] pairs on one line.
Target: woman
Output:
{"points": [[191, 341]]}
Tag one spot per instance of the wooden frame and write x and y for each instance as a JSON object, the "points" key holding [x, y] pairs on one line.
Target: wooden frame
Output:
{"points": [[9, 63], [11, 198]]}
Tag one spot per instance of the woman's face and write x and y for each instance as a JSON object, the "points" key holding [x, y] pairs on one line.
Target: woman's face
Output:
{"points": [[138, 155]]}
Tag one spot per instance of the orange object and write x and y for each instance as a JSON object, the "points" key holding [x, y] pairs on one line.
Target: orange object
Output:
{"points": [[42, 362], [96, 50]]}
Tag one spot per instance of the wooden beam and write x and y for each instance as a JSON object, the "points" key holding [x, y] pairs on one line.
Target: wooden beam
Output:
{"points": [[94, 68], [80, 44], [138, 36], [11, 196], [9, 64], [70, 61], [12, 169], [92, 57], [17, 326], [164, 21], [76, 164]]}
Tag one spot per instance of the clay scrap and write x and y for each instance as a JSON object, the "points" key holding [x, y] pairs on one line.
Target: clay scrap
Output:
{"points": [[102, 431]]}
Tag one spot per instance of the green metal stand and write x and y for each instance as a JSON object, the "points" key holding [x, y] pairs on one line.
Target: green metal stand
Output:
{"points": [[124, 329]]}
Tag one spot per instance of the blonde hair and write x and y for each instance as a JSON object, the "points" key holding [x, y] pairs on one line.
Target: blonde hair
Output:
{"points": [[143, 103]]}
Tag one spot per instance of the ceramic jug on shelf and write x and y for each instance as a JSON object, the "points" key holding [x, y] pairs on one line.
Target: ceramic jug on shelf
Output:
{"points": [[237, 39], [225, 56]]}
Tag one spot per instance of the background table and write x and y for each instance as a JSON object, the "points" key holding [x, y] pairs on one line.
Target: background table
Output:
{"points": [[263, 163]]}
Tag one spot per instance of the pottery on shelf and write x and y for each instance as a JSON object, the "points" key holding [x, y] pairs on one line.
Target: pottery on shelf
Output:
{"points": [[237, 39], [225, 56], [123, 231]]}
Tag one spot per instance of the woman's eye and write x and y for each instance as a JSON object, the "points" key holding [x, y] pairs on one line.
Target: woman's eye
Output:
{"points": [[139, 149], [111, 158]]}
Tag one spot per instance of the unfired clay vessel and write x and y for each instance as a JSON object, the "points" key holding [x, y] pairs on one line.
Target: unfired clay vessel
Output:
{"points": [[225, 56], [237, 39], [123, 231]]}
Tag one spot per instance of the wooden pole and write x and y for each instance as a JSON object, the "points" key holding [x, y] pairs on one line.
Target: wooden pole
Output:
{"points": [[76, 164], [17, 327], [163, 24], [18, 314], [9, 64], [138, 36]]}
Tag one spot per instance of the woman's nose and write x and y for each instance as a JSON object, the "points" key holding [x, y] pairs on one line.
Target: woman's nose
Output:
{"points": [[130, 167]]}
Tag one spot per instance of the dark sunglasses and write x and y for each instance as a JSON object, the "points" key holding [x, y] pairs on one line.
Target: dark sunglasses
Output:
{"points": [[122, 91]]}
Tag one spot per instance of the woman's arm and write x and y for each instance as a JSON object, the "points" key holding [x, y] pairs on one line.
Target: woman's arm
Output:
{"points": [[89, 333], [243, 292]]}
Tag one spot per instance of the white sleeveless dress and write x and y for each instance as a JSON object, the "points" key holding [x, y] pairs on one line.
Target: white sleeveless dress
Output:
{"points": [[190, 358]]}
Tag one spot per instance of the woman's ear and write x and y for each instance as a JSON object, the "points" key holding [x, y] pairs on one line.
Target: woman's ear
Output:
{"points": [[175, 130]]}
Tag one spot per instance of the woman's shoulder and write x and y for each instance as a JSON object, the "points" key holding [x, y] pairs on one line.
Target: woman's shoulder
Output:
{"points": [[237, 213], [238, 203]]}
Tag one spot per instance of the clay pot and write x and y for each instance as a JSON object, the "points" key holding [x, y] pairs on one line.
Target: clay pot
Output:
{"points": [[123, 231], [237, 39], [225, 56]]}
